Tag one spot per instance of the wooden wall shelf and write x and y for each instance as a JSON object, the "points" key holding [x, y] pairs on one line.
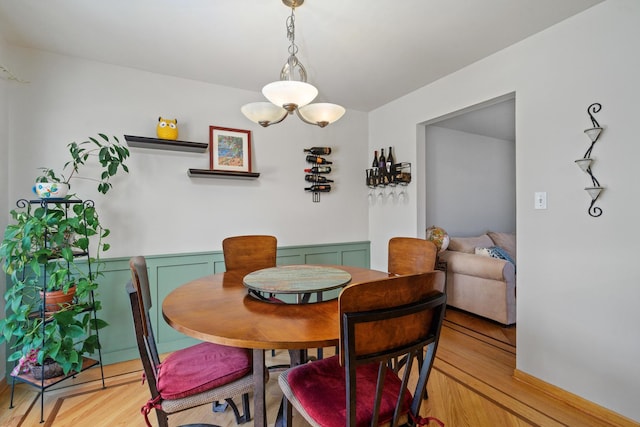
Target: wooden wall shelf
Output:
{"points": [[164, 144], [208, 173]]}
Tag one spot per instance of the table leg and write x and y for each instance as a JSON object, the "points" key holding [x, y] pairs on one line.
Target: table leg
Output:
{"points": [[297, 357], [259, 402]]}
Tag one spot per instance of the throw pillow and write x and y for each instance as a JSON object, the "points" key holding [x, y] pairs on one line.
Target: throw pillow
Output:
{"points": [[495, 252], [506, 241], [439, 237], [482, 252]]}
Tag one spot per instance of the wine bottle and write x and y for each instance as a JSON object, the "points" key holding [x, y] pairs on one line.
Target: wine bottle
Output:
{"points": [[318, 169], [317, 178], [375, 163], [324, 188], [390, 165], [318, 150], [382, 161], [319, 160]]}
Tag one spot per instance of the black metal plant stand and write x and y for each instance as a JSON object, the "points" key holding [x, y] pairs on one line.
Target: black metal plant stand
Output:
{"points": [[42, 383]]}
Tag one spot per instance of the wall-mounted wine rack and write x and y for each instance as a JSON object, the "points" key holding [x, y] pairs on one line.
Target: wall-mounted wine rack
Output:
{"points": [[316, 173], [380, 177]]}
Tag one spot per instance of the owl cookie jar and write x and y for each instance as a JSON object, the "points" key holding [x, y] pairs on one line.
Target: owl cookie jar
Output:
{"points": [[167, 129]]}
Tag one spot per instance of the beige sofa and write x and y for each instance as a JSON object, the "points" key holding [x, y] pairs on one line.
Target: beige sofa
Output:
{"points": [[482, 284]]}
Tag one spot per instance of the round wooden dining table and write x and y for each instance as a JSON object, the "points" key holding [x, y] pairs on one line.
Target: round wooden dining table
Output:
{"points": [[218, 309]]}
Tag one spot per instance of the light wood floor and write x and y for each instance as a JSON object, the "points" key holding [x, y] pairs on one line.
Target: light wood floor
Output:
{"points": [[471, 385]]}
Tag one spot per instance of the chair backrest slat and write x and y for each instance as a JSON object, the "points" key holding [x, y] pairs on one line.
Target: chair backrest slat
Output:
{"points": [[410, 255], [249, 253]]}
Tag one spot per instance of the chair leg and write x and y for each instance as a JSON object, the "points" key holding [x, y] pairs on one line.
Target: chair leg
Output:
{"points": [[426, 357], [220, 407], [241, 419], [287, 412], [163, 419], [246, 408]]}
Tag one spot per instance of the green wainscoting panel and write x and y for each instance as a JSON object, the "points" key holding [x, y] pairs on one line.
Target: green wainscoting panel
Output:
{"points": [[118, 339], [355, 257], [167, 277], [167, 272]]}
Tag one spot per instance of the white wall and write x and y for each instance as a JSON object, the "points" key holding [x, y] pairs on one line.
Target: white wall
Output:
{"points": [[4, 164], [578, 281], [157, 208], [469, 182]]}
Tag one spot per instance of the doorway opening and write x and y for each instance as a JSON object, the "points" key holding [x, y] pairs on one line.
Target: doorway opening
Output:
{"points": [[467, 170]]}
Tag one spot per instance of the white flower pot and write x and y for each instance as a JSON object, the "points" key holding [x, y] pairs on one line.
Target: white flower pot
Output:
{"points": [[51, 190]]}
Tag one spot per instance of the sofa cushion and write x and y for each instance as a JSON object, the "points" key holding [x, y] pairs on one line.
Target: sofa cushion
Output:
{"points": [[506, 241], [469, 244], [461, 263]]}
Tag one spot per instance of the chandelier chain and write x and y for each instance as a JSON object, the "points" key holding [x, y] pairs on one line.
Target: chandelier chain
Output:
{"points": [[291, 33], [293, 70]]}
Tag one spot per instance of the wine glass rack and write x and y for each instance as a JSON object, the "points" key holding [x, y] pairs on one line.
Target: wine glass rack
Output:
{"points": [[381, 178]]}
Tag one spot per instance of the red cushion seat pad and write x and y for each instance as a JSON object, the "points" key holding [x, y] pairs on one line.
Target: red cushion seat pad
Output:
{"points": [[200, 368], [320, 387]]}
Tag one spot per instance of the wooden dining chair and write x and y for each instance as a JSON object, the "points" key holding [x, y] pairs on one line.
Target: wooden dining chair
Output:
{"points": [[379, 320], [410, 255], [194, 376], [249, 253]]}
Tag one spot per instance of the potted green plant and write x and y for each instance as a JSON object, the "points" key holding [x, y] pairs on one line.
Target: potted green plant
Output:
{"points": [[46, 248]]}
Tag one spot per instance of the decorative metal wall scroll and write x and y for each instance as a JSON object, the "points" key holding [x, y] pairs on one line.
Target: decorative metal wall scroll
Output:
{"points": [[585, 163]]}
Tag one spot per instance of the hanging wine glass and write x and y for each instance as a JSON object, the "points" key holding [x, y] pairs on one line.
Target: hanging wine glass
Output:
{"points": [[392, 193], [403, 191]]}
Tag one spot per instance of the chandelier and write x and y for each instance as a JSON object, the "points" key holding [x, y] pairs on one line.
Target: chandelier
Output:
{"points": [[292, 92]]}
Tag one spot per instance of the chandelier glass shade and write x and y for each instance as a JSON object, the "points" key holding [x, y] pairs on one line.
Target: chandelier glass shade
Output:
{"points": [[292, 92], [264, 113], [321, 112]]}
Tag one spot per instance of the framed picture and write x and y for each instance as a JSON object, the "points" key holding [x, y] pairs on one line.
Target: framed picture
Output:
{"points": [[229, 149]]}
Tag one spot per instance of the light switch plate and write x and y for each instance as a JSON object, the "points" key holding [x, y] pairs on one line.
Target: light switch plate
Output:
{"points": [[540, 201]]}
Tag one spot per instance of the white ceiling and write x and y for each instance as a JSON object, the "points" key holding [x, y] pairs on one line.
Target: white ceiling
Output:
{"points": [[359, 53], [495, 121]]}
